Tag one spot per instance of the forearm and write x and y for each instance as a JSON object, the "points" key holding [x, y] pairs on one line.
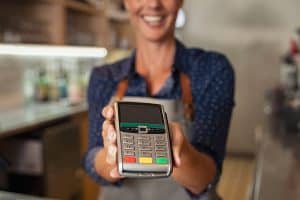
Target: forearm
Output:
{"points": [[102, 167], [196, 170]]}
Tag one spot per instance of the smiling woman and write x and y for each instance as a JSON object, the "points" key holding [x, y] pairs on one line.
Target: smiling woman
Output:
{"points": [[196, 86]]}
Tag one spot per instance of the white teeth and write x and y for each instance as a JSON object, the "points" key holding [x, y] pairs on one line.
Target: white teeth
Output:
{"points": [[152, 18]]}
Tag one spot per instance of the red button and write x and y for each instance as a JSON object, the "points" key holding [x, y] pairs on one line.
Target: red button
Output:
{"points": [[129, 159]]}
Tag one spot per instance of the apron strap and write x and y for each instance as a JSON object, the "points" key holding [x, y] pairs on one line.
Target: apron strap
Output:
{"points": [[121, 90], [186, 96]]}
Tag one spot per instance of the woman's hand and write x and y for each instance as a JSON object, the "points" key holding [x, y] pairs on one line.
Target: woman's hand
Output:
{"points": [[192, 169], [106, 159], [110, 140]]}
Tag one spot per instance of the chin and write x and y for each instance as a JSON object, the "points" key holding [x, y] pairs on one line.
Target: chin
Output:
{"points": [[157, 37]]}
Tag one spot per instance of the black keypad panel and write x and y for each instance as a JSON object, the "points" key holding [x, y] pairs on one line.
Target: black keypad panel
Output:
{"points": [[144, 149]]}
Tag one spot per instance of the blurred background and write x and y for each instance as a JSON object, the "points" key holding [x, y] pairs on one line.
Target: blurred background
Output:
{"points": [[43, 81]]}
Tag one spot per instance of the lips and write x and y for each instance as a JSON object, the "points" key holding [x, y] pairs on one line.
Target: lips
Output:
{"points": [[153, 19]]}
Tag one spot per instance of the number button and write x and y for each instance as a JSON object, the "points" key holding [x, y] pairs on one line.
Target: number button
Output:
{"points": [[144, 142], [127, 136], [160, 154], [145, 148], [161, 148], [144, 137], [160, 137], [128, 147], [160, 142], [128, 152], [145, 154], [127, 141]]}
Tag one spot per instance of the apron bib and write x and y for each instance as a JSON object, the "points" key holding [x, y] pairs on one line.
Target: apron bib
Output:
{"points": [[159, 188]]}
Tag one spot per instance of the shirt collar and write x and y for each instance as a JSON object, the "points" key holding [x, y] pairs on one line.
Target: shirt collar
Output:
{"points": [[128, 66]]}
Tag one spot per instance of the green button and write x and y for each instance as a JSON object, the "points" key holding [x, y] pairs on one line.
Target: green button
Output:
{"points": [[161, 160]]}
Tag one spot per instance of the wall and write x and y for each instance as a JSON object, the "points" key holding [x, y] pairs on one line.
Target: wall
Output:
{"points": [[253, 34], [11, 93]]}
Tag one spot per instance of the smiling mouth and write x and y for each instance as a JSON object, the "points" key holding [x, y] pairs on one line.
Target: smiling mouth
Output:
{"points": [[153, 19]]}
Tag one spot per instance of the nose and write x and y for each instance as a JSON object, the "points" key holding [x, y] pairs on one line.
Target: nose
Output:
{"points": [[154, 4]]}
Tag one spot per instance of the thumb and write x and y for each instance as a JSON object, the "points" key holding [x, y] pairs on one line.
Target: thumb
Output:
{"points": [[114, 173], [177, 141]]}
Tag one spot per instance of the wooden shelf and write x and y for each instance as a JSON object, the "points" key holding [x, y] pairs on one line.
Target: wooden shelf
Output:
{"points": [[82, 7], [64, 19], [118, 16]]}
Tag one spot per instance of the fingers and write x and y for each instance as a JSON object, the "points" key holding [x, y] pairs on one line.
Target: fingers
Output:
{"points": [[110, 141], [108, 112], [109, 135], [177, 142]]}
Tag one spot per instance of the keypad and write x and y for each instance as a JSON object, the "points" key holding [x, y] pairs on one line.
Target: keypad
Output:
{"points": [[144, 149]]}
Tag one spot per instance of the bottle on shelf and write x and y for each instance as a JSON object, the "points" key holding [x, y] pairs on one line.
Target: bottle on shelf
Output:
{"points": [[29, 79], [62, 82], [42, 86], [75, 89], [52, 75]]}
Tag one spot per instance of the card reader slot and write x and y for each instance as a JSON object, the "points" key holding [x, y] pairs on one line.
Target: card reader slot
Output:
{"points": [[156, 130]]}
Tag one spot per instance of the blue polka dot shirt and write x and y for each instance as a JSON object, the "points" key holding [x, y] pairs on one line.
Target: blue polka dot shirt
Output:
{"points": [[212, 85]]}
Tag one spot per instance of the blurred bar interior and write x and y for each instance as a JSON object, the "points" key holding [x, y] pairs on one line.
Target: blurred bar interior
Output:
{"points": [[43, 82]]}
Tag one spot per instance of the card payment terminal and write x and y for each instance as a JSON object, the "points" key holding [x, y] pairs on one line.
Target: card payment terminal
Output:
{"points": [[143, 140]]}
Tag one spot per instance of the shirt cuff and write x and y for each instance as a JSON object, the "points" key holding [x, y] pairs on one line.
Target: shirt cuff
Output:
{"points": [[89, 167], [212, 185]]}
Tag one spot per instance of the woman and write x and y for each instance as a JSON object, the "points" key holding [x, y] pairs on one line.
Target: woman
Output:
{"points": [[154, 71]]}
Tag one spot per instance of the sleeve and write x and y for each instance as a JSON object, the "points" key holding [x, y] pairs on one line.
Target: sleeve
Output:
{"points": [[214, 103], [99, 93]]}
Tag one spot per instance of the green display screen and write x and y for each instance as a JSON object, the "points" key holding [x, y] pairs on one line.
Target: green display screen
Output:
{"points": [[140, 114]]}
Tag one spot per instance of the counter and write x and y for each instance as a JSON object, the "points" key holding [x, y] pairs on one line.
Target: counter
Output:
{"points": [[21, 119], [277, 174], [14, 196], [44, 159]]}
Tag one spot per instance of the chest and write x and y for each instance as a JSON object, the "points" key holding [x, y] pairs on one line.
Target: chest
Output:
{"points": [[167, 89]]}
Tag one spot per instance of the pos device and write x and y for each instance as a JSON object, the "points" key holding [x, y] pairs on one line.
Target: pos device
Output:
{"points": [[143, 140]]}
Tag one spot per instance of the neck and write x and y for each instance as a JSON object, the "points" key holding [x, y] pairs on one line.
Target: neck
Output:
{"points": [[155, 57]]}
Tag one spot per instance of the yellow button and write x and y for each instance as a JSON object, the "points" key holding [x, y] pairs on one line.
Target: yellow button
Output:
{"points": [[145, 160]]}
